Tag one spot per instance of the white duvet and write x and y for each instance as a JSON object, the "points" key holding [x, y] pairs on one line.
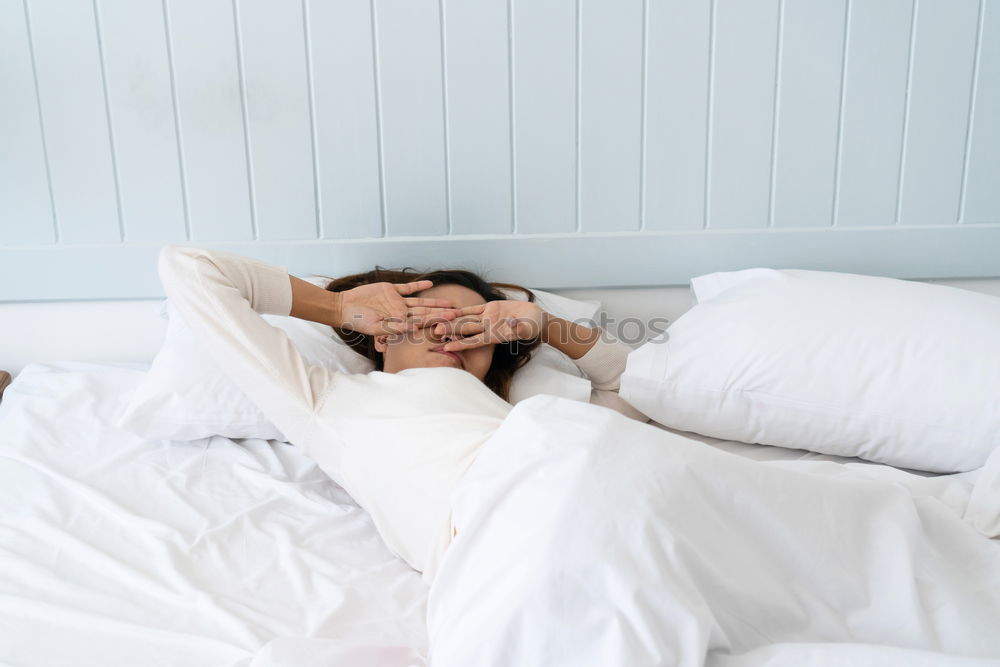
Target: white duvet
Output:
{"points": [[585, 538]]}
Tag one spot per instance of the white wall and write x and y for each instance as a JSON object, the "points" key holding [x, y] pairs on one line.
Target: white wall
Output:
{"points": [[690, 135]]}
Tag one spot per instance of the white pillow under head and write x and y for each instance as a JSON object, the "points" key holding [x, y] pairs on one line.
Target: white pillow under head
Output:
{"points": [[186, 396]]}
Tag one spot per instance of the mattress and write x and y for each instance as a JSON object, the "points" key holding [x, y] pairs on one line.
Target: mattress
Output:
{"points": [[118, 550]]}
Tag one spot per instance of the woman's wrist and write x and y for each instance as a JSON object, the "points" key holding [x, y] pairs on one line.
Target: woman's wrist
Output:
{"points": [[315, 304], [573, 340], [336, 309]]}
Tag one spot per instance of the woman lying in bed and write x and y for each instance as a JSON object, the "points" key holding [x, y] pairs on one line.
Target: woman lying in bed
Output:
{"points": [[458, 320], [398, 439]]}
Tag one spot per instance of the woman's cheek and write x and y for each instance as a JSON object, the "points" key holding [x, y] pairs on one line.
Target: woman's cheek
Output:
{"points": [[484, 357]]}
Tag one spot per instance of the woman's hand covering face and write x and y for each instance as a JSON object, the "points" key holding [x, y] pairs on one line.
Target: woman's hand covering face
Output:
{"points": [[385, 308], [492, 322]]}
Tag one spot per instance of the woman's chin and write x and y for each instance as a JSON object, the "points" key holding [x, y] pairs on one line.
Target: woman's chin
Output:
{"points": [[440, 359]]}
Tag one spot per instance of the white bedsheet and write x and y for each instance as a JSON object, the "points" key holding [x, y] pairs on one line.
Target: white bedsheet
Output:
{"points": [[119, 551], [585, 538]]}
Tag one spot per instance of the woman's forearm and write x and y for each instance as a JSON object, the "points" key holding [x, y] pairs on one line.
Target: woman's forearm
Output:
{"points": [[572, 339], [313, 303]]}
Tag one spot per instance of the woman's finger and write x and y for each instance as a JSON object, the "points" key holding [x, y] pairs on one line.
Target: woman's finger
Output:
{"points": [[468, 343], [459, 328], [455, 324], [462, 319], [422, 301], [421, 321], [472, 310], [445, 313], [415, 286]]}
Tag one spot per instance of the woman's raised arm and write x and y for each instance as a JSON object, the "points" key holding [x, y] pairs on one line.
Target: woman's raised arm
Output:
{"points": [[221, 297]]}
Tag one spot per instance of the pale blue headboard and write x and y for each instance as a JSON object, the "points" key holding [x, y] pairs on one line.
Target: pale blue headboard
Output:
{"points": [[565, 143]]}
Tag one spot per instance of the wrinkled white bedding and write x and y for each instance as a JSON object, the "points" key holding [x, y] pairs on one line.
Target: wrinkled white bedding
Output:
{"points": [[120, 551], [585, 538]]}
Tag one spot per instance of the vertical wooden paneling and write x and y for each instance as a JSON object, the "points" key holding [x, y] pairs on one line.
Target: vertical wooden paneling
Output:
{"points": [[478, 112], [140, 97], [808, 113], [210, 110], [543, 54], [408, 47], [676, 125], [610, 114], [25, 205], [745, 46], [75, 120], [345, 117], [272, 44], [251, 120], [982, 177], [874, 105], [934, 145]]}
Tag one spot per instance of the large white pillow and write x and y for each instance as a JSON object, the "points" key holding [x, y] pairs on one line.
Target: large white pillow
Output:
{"points": [[186, 396], [895, 371]]}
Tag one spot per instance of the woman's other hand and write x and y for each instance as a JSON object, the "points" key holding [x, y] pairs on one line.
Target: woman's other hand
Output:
{"points": [[493, 322], [506, 321], [385, 308]]}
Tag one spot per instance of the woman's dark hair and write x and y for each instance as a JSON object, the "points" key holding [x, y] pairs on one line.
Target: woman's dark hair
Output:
{"points": [[507, 357]]}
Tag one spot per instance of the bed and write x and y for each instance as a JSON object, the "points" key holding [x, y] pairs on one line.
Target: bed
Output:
{"points": [[610, 150], [119, 550]]}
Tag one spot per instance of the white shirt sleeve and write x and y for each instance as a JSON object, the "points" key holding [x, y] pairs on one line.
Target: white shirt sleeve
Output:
{"points": [[221, 297], [604, 364]]}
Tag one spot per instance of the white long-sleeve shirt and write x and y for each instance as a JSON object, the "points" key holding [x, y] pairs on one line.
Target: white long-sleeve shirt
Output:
{"points": [[397, 442]]}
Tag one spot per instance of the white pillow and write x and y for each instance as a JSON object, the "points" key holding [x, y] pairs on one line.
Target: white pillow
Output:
{"points": [[895, 371], [186, 396]]}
